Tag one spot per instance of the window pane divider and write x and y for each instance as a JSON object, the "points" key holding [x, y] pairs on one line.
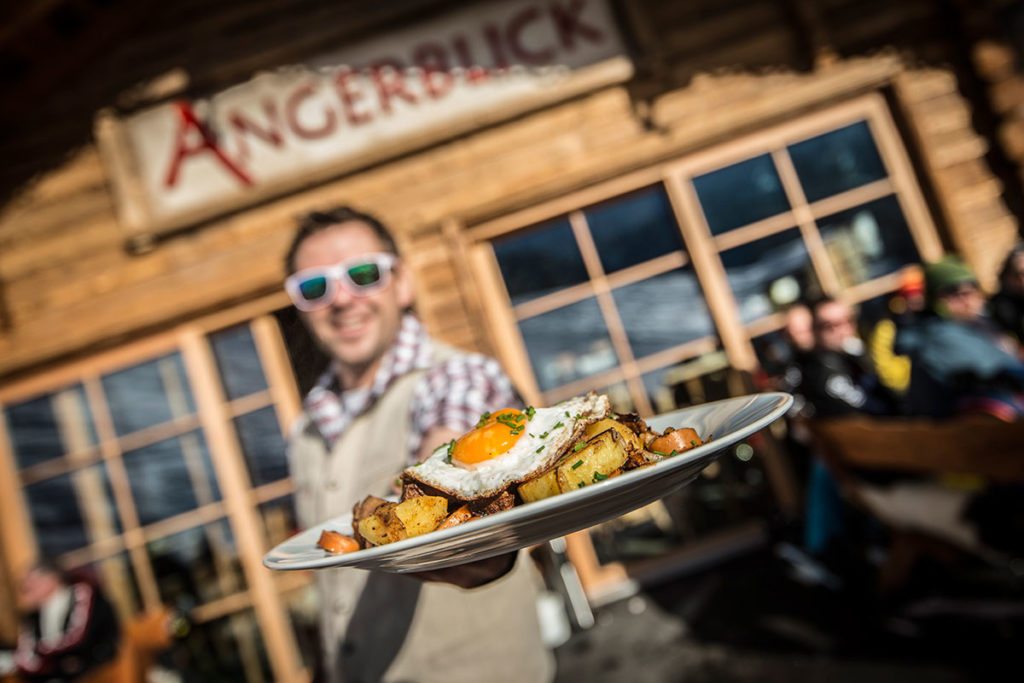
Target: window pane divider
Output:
{"points": [[251, 403], [121, 489], [229, 464], [805, 219], [284, 393], [583, 385], [828, 206], [549, 302], [755, 231], [610, 312]]}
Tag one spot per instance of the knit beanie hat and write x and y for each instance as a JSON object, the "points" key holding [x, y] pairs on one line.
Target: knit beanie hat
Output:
{"points": [[944, 275]]}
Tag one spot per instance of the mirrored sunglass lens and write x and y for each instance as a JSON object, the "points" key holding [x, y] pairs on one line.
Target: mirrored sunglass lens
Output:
{"points": [[313, 288], [365, 274]]}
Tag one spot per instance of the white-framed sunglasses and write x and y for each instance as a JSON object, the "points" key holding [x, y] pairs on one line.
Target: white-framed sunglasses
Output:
{"points": [[315, 288]]}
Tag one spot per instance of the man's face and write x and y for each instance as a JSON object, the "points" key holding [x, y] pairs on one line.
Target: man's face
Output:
{"points": [[799, 328], [354, 329], [965, 302], [35, 588], [834, 326]]}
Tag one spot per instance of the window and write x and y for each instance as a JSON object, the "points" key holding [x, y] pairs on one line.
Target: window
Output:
{"points": [[658, 287], [617, 296], [119, 477]]}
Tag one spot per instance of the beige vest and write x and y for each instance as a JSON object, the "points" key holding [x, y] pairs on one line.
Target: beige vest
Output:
{"points": [[388, 627]]}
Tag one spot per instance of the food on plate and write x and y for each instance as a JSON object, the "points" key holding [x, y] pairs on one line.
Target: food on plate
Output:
{"points": [[334, 542], [511, 458]]}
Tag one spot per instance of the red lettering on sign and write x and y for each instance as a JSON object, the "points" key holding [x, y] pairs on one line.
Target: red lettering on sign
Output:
{"points": [[567, 21], [189, 124], [432, 59], [350, 95], [514, 36], [475, 73], [493, 36], [291, 114], [243, 125], [389, 79]]}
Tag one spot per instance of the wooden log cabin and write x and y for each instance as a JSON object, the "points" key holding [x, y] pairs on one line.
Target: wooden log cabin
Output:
{"points": [[699, 164]]}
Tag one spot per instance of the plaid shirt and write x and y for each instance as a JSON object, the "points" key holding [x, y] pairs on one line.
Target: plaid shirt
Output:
{"points": [[451, 394]]}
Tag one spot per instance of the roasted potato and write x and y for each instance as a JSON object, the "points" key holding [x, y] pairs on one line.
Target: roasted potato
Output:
{"points": [[383, 526], [422, 514], [598, 460], [539, 488], [628, 435]]}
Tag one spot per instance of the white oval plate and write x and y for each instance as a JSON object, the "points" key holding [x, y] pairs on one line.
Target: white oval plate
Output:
{"points": [[728, 422]]}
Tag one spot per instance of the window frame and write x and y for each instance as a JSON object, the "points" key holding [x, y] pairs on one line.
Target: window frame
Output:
{"points": [[477, 257], [214, 418]]}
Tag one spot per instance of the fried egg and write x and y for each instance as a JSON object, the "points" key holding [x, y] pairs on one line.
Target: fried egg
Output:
{"points": [[507, 448]]}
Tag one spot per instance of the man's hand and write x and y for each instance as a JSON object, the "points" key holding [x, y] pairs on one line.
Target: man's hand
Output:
{"points": [[472, 574]]}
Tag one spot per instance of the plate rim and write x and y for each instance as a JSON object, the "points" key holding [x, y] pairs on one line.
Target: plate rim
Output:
{"points": [[361, 558]]}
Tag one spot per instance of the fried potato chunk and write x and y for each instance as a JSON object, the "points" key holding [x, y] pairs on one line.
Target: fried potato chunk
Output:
{"points": [[600, 459], [539, 488], [422, 514], [383, 526], [627, 434]]}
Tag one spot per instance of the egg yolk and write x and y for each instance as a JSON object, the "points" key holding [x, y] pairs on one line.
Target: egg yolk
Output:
{"points": [[495, 436]]}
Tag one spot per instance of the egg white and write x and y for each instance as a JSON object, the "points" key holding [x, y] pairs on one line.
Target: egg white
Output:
{"points": [[549, 433]]}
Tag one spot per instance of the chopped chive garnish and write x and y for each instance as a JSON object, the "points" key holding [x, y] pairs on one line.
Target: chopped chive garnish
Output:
{"points": [[530, 412], [539, 449], [567, 413], [579, 447], [451, 447], [693, 443], [560, 424], [483, 420], [576, 464], [579, 485], [664, 455], [600, 477], [674, 452]]}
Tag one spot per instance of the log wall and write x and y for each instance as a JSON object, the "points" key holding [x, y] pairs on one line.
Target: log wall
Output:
{"points": [[706, 71]]}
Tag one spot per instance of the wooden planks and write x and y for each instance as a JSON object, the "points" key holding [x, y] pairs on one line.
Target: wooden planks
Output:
{"points": [[68, 284]]}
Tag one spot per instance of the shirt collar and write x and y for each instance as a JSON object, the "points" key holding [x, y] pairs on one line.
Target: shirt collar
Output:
{"points": [[411, 350]]}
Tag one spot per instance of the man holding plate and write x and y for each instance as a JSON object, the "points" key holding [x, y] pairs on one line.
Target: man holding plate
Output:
{"points": [[390, 396]]}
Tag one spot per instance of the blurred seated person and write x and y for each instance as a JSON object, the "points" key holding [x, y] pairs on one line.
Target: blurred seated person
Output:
{"points": [[1007, 306], [69, 631], [893, 369], [960, 362], [837, 381], [837, 378]]}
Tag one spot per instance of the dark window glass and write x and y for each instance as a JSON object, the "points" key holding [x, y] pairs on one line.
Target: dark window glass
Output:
{"points": [[568, 344], [148, 394], [239, 363], [540, 260], [868, 241], [49, 426], [196, 566], [633, 229], [694, 381], [837, 161], [171, 477], [58, 522], [769, 273], [263, 446], [663, 311], [740, 194]]}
